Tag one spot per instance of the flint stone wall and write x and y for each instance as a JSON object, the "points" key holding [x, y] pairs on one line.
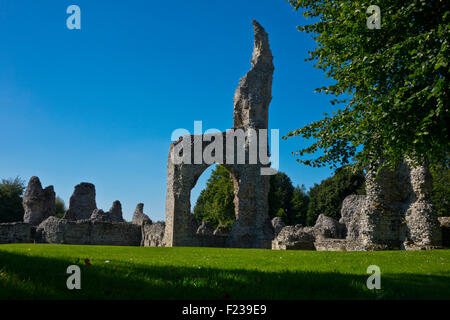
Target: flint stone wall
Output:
{"points": [[38, 203], [327, 227], [139, 217], [351, 215], [294, 238], [323, 244], [82, 202], [252, 228], [15, 232], [277, 225], [398, 212], [153, 234], [62, 231]]}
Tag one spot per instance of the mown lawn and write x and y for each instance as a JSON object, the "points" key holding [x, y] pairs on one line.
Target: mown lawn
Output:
{"points": [[38, 271]]}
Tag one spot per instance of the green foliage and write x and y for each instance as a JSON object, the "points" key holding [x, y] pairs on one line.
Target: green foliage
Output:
{"points": [[282, 214], [326, 198], [299, 205], [11, 208], [393, 81], [60, 207], [215, 202], [441, 190], [280, 194]]}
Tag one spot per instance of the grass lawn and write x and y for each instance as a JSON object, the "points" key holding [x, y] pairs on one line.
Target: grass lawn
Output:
{"points": [[38, 271]]}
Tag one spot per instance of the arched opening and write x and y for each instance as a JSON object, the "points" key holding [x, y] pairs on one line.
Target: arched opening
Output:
{"points": [[212, 200]]}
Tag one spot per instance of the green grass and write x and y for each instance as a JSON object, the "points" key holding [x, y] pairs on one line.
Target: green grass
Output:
{"points": [[38, 271]]}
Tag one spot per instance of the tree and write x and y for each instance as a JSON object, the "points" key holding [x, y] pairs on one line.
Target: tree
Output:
{"points": [[11, 209], [215, 203], [326, 198], [299, 204], [441, 190], [393, 82], [60, 207], [280, 195]]}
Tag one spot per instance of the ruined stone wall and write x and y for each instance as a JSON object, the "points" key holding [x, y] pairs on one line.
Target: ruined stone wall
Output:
{"points": [[62, 231], [38, 203], [351, 215], [15, 232], [252, 228], [153, 234], [398, 212], [82, 202]]}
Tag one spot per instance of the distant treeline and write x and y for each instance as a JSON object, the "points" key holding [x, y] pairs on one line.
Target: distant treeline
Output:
{"points": [[296, 205]]}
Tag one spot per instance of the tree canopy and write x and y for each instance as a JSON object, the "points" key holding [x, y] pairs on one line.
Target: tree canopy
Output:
{"points": [[11, 209], [441, 190], [280, 194], [215, 203], [390, 84], [326, 198], [60, 207]]}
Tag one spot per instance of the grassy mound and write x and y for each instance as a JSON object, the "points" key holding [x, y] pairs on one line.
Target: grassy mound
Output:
{"points": [[38, 271]]}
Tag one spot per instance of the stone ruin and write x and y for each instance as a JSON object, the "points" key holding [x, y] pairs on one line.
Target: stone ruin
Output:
{"points": [[139, 217], [252, 228], [38, 203], [82, 202], [83, 223], [396, 213]]}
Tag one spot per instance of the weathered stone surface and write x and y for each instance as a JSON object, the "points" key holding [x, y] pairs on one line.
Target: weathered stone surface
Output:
{"points": [[38, 203], [323, 244], [100, 215], [115, 212], [254, 93], [221, 231], [114, 215], [327, 227], [398, 210], [293, 238], [444, 221], [252, 228], [139, 217], [62, 231], [82, 202], [278, 225], [205, 228], [153, 234], [423, 228], [350, 215], [15, 232]]}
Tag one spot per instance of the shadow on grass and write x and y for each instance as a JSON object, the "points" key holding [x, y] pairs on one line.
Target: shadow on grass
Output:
{"points": [[30, 277]]}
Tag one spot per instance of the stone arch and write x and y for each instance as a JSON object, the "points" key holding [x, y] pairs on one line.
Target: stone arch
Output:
{"points": [[252, 228], [229, 169]]}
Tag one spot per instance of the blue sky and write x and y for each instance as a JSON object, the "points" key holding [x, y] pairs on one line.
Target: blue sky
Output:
{"points": [[100, 104]]}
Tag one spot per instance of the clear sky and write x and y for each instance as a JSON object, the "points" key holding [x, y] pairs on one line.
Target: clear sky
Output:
{"points": [[100, 104]]}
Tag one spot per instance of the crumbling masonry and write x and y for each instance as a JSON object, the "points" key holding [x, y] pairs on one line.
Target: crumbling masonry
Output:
{"points": [[252, 228]]}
